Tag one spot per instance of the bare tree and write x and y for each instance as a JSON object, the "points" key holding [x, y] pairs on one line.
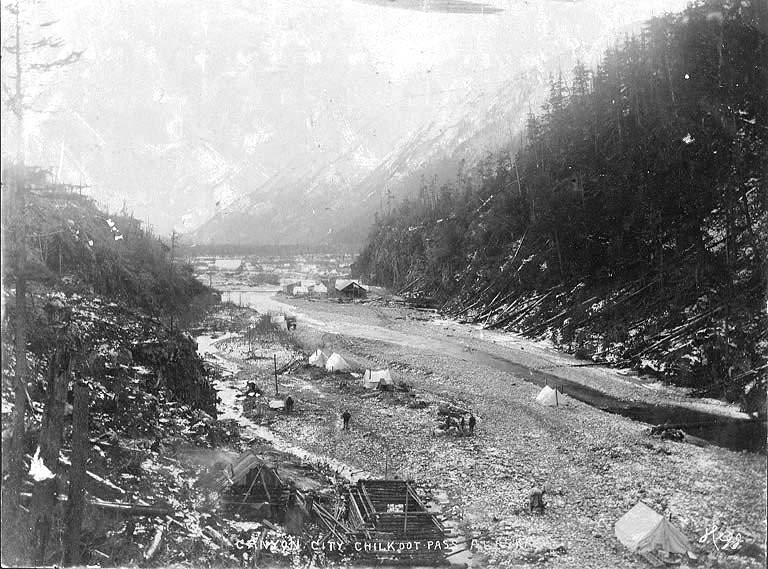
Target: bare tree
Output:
{"points": [[36, 53]]}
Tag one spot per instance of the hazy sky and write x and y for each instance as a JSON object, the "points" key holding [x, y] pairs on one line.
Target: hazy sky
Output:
{"points": [[180, 107]]}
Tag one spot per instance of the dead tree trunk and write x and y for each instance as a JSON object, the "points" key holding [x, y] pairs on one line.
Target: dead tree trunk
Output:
{"points": [[20, 392], [20, 386], [44, 495], [76, 507]]}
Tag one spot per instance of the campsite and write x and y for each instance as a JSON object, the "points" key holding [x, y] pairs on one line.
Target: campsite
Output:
{"points": [[328, 284], [611, 488]]}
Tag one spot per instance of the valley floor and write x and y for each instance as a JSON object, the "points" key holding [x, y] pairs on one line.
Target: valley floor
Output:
{"points": [[595, 465]]}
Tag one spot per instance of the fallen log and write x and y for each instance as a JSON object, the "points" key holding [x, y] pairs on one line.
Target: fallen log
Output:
{"points": [[271, 526], [511, 320], [530, 329], [131, 509], [494, 305], [218, 537], [122, 507], [676, 332], [155, 545], [468, 308], [100, 553], [559, 315], [95, 482]]}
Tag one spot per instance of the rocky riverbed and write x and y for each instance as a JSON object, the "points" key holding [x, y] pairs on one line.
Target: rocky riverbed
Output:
{"points": [[595, 465]]}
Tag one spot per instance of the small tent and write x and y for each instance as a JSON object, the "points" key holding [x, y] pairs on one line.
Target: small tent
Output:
{"points": [[336, 363], [318, 359], [550, 397], [378, 379], [642, 530]]}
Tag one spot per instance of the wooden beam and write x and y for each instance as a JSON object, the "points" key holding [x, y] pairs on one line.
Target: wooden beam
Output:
{"points": [[264, 482], [250, 488]]}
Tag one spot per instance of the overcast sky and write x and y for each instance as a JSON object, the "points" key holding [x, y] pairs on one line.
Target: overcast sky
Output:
{"points": [[202, 102]]}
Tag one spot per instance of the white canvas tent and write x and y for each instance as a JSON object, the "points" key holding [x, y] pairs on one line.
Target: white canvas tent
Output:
{"points": [[336, 363], [376, 379], [318, 359], [550, 397], [320, 288], [642, 530]]}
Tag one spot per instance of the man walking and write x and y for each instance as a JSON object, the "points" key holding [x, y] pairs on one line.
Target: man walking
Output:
{"points": [[536, 499], [472, 422], [346, 416]]}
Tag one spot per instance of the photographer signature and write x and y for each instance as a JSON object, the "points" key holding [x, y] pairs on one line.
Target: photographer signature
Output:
{"points": [[722, 537]]}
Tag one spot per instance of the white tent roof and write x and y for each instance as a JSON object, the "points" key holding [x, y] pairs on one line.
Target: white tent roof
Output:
{"points": [[643, 530], [228, 264], [336, 363], [550, 397], [319, 358], [373, 379]]}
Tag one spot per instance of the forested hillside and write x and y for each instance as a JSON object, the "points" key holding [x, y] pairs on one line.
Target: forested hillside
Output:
{"points": [[631, 226], [92, 350]]}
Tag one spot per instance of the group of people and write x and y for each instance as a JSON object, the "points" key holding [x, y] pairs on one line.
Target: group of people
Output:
{"points": [[464, 426]]}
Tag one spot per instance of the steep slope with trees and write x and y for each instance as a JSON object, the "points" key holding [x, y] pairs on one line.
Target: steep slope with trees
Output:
{"points": [[91, 348], [631, 226]]}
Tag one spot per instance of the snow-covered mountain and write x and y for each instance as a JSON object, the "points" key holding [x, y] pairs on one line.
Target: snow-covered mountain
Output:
{"points": [[287, 121]]}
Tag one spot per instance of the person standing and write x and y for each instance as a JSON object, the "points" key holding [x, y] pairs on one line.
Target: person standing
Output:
{"points": [[472, 422], [346, 416], [536, 499]]}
